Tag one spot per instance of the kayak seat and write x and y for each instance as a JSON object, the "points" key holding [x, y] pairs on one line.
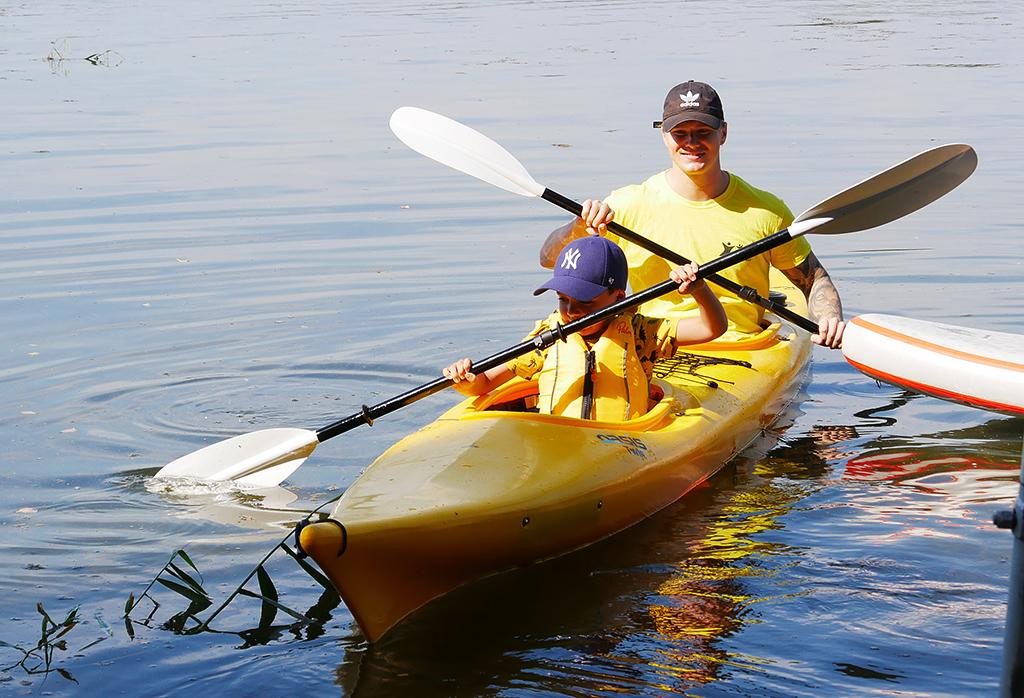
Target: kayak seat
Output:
{"points": [[733, 341], [517, 395]]}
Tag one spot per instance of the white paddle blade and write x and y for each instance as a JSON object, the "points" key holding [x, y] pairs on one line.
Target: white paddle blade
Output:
{"points": [[892, 194], [243, 457], [272, 476], [462, 148]]}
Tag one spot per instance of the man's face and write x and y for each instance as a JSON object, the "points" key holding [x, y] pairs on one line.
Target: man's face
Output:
{"points": [[694, 147]]}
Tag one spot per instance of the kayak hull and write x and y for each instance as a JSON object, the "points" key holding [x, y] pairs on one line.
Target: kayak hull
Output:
{"points": [[479, 491], [975, 367]]}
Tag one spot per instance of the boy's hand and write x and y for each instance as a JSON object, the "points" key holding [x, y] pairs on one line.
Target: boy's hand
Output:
{"points": [[460, 371], [596, 215], [686, 277]]}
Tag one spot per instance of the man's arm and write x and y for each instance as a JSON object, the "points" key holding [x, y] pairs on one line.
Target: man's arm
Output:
{"points": [[822, 300], [559, 238]]}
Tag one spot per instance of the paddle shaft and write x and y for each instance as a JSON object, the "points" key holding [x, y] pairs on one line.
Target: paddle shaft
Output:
{"points": [[745, 292], [548, 337]]}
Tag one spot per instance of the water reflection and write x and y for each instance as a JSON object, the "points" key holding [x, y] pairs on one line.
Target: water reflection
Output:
{"points": [[706, 599], [953, 472], [228, 503]]}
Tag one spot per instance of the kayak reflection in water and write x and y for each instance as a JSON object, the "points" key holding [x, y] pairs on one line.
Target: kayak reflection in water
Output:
{"points": [[710, 593], [604, 371]]}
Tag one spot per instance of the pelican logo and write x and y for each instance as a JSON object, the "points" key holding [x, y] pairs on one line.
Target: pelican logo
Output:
{"points": [[572, 255], [689, 100]]}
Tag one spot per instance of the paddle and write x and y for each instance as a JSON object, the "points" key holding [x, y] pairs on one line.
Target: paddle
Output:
{"points": [[886, 196], [265, 458]]}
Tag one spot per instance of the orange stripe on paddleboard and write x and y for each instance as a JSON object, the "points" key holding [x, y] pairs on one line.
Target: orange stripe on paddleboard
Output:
{"points": [[937, 392], [938, 348]]}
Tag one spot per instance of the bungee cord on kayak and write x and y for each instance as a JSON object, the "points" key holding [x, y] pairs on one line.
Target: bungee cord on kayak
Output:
{"points": [[685, 365]]}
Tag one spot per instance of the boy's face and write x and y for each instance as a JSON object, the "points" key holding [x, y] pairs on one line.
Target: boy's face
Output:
{"points": [[572, 309]]}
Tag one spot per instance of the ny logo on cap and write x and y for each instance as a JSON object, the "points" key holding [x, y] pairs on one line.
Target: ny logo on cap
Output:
{"points": [[572, 256], [689, 99]]}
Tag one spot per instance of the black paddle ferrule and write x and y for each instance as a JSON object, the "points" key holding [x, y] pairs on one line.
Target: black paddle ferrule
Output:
{"points": [[367, 416], [548, 337], [747, 293]]}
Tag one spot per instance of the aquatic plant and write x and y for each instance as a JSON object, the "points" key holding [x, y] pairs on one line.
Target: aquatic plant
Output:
{"points": [[189, 585], [39, 659]]}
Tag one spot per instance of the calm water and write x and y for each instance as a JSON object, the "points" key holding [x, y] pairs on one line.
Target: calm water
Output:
{"points": [[208, 229]]}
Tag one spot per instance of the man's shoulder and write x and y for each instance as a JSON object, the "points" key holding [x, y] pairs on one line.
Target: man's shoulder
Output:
{"points": [[652, 186], [762, 196]]}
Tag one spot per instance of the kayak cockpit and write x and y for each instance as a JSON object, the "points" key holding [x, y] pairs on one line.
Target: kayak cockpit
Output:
{"points": [[514, 400], [518, 397]]}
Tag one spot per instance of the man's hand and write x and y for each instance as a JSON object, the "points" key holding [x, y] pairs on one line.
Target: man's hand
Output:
{"points": [[596, 215], [822, 301], [830, 332]]}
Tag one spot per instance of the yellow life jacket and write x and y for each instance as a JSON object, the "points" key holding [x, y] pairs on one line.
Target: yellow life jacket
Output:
{"points": [[604, 381]]}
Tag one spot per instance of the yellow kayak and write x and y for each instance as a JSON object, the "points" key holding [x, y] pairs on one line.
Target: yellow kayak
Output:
{"points": [[485, 488]]}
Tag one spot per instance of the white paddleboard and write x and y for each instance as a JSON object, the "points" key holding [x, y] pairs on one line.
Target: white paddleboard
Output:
{"points": [[980, 368]]}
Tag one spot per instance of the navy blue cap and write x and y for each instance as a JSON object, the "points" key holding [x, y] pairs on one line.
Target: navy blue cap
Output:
{"points": [[588, 267]]}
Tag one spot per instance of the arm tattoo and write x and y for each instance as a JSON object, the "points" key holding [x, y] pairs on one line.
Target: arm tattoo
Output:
{"points": [[822, 296]]}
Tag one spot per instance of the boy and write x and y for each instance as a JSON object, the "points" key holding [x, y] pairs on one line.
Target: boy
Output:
{"points": [[604, 371]]}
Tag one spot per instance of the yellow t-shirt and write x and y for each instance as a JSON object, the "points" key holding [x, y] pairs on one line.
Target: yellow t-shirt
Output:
{"points": [[702, 231]]}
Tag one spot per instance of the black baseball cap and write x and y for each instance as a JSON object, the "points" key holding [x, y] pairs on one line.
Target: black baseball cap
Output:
{"points": [[691, 101]]}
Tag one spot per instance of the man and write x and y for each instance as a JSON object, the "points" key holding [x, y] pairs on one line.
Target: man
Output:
{"points": [[702, 211]]}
